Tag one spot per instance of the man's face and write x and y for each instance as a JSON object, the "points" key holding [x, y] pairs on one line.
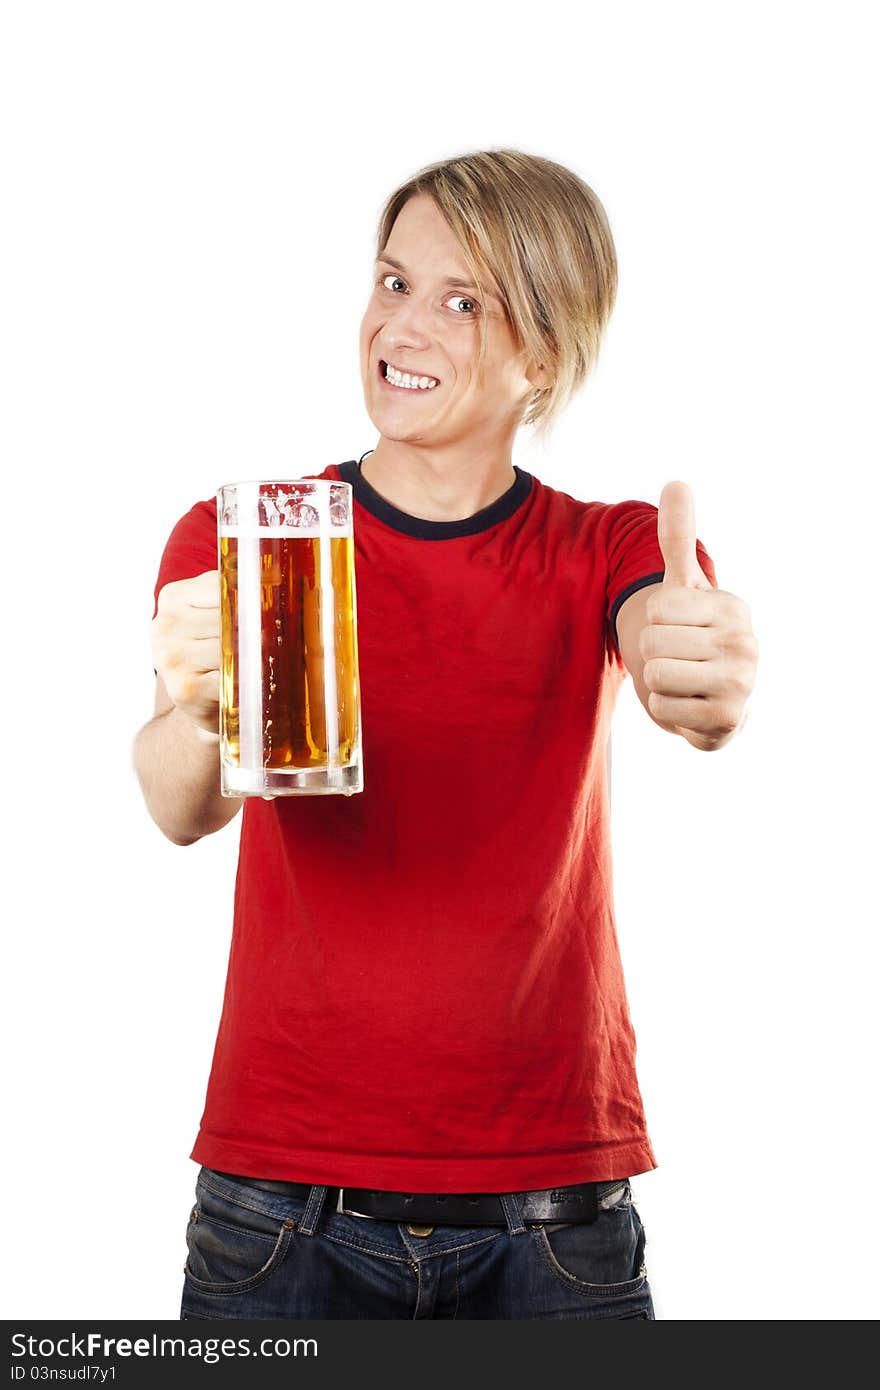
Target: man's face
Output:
{"points": [[421, 324]]}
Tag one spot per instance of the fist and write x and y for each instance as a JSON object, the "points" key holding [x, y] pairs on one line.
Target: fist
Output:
{"points": [[185, 641], [699, 650]]}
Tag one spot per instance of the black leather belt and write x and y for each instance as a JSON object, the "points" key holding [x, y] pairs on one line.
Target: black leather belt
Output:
{"points": [[577, 1202]]}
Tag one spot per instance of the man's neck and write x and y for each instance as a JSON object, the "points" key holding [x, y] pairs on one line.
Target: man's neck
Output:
{"points": [[434, 485]]}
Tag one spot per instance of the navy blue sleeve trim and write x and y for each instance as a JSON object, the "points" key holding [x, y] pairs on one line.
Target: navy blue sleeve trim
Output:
{"points": [[627, 593]]}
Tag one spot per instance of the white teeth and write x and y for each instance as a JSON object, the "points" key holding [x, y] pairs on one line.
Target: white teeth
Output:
{"points": [[413, 383]]}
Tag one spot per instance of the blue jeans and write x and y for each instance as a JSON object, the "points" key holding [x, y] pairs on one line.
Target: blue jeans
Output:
{"points": [[259, 1254]]}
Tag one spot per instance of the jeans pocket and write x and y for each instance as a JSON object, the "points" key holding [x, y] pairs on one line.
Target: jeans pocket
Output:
{"points": [[604, 1257], [233, 1246]]}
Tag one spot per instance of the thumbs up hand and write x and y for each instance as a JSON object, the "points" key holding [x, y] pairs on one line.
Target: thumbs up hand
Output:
{"points": [[699, 650]]}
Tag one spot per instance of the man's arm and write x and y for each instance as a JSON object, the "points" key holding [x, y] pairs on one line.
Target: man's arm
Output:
{"points": [[178, 767]]}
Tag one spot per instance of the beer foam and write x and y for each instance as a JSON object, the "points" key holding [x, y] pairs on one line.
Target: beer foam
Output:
{"points": [[303, 533]]}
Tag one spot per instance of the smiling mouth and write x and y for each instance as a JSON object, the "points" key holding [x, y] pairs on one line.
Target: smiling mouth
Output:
{"points": [[412, 390]]}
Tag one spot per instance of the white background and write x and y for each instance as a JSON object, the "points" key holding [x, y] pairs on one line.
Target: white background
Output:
{"points": [[191, 192]]}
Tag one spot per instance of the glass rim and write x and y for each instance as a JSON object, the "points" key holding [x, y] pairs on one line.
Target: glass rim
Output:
{"points": [[283, 482]]}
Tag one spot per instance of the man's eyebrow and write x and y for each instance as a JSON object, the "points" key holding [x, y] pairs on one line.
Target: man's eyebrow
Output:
{"points": [[455, 281]]}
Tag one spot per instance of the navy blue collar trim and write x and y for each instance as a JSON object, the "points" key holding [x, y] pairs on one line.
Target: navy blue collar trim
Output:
{"points": [[424, 530]]}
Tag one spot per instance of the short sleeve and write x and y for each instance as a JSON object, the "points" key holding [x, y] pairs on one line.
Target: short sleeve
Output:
{"points": [[190, 549], [634, 557]]}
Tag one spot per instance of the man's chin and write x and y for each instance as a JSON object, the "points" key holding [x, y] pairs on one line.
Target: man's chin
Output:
{"points": [[397, 434]]}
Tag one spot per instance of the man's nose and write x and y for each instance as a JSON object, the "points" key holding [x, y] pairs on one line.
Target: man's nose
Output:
{"points": [[409, 322]]}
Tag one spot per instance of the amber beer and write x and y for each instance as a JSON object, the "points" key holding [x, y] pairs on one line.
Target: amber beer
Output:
{"points": [[290, 697]]}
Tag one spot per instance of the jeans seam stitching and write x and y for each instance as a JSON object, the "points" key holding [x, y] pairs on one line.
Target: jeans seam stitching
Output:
{"points": [[365, 1249], [450, 1246]]}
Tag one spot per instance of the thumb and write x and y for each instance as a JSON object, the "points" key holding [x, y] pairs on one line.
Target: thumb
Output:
{"points": [[677, 535]]}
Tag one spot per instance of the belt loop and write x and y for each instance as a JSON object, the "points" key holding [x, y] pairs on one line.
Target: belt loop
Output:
{"points": [[314, 1204], [511, 1203]]}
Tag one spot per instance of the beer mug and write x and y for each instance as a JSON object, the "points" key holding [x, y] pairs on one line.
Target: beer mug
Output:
{"points": [[290, 711]]}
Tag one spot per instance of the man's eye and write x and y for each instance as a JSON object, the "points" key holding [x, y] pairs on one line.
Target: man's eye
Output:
{"points": [[466, 300], [391, 277]]}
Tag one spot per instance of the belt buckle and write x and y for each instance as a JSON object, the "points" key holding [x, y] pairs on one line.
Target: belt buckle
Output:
{"points": [[346, 1211]]}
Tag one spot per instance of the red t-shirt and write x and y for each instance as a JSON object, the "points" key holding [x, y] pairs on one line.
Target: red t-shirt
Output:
{"points": [[424, 990]]}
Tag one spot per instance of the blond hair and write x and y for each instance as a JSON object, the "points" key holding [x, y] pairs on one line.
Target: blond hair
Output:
{"points": [[536, 229]]}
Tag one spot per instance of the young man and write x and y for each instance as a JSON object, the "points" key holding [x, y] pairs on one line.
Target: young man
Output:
{"points": [[423, 1099]]}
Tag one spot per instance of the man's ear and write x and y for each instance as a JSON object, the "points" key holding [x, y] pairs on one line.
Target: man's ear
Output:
{"points": [[537, 375]]}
